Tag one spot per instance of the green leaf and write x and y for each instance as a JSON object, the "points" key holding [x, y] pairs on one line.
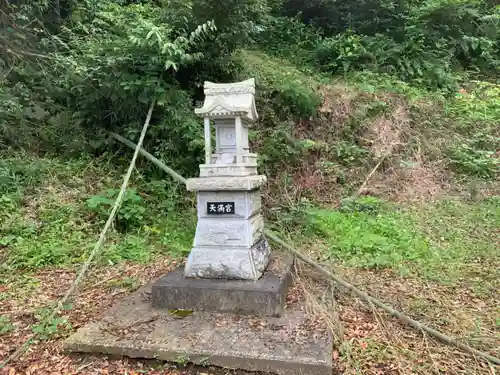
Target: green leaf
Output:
{"points": [[170, 64], [180, 313]]}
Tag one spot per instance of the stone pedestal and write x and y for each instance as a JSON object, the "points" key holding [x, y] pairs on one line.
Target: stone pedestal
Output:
{"points": [[293, 344], [229, 241], [228, 268], [264, 297]]}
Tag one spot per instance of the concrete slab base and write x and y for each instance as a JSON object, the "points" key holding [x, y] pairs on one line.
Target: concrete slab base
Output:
{"points": [[263, 297], [292, 344]]}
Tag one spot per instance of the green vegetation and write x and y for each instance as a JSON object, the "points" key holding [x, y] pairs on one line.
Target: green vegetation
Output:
{"points": [[404, 92], [5, 324], [439, 241], [55, 209]]}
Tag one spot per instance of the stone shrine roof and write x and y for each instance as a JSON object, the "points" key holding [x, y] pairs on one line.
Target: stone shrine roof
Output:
{"points": [[224, 100]]}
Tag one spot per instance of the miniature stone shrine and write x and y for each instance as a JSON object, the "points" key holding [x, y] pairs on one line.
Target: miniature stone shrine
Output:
{"points": [[229, 243], [229, 240], [233, 288]]}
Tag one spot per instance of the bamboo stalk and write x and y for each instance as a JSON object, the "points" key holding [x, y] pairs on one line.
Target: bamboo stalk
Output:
{"points": [[362, 295]]}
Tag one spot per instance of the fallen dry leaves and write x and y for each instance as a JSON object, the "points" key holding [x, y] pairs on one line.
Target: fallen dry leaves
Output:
{"points": [[370, 342], [102, 288], [374, 343]]}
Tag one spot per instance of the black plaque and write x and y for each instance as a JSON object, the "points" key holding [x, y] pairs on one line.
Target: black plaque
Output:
{"points": [[220, 208]]}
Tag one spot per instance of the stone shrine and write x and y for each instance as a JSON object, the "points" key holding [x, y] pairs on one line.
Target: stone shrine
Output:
{"points": [[233, 290], [226, 268], [229, 241]]}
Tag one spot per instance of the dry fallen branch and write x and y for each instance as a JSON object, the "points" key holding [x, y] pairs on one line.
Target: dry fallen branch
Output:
{"points": [[151, 158], [373, 301], [362, 295], [91, 289], [83, 270], [382, 158]]}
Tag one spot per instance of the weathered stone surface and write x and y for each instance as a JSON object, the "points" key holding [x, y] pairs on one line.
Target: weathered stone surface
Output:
{"points": [[247, 203], [227, 159], [225, 137], [225, 246], [264, 297], [224, 262], [227, 231], [290, 345], [229, 170], [244, 183], [229, 100]]}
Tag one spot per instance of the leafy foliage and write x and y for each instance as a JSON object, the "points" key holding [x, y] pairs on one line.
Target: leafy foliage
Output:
{"points": [[101, 67], [76, 69], [5, 325], [131, 212], [426, 43], [475, 162], [476, 111], [48, 326], [370, 233], [73, 70], [336, 79], [46, 219]]}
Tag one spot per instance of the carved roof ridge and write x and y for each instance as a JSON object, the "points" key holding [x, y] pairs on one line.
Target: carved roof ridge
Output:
{"points": [[219, 104], [229, 99], [243, 87]]}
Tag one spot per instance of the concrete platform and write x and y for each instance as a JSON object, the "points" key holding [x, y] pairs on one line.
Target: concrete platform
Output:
{"points": [[292, 344], [263, 297]]}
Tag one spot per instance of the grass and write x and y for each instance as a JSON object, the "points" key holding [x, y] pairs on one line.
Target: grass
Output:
{"points": [[47, 221], [449, 241], [436, 260], [5, 325]]}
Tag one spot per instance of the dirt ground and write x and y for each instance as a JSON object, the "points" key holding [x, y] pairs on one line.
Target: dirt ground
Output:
{"points": [[366, 342]]}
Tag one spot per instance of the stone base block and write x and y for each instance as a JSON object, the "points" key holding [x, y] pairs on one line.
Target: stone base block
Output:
{"points": [[264, 297], [243, 183], [294, 344], [226, 262], [228, 170]]}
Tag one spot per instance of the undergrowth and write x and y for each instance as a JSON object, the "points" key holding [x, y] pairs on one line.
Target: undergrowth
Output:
{"points": [[449, 241], [53, 216], [53, 213], [396, 103]]}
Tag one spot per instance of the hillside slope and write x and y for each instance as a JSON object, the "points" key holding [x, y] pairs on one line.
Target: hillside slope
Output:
{"points": [[379, 132], [423, 236], [328, 134]]}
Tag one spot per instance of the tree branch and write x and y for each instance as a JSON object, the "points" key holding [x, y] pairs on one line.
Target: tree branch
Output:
{"points": [[328, 275], [99, 243]]}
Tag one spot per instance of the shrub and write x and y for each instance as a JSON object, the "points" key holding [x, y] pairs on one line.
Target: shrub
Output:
{"points": [[288, 38], [474, 162], [130, 214], [410, 60], [475, 113], [334, 17], [16, 175], [431, 44]]}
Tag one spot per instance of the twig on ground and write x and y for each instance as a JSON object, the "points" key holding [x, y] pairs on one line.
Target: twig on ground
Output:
{"points": [[362, 295], [82, 367], [371, 300], [99, 243], [119, 331], [91, 289], [382, 158]]}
